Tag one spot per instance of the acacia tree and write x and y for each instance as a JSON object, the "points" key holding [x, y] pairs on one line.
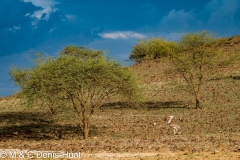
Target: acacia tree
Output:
{"points": [[152, 49], [34, 84], [83, 77], [196, 59]]}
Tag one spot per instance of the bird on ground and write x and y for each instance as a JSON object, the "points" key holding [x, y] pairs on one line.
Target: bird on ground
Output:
{"points": [[175, 127]]}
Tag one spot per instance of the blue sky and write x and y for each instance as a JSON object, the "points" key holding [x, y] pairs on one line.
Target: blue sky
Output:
{"points": [[110, 25]]}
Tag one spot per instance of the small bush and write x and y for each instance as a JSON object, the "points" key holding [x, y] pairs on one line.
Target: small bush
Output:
{"points": [[152, 49]]}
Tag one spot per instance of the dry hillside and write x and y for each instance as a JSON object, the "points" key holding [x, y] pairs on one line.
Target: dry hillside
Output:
{"points": [[122, 132]]}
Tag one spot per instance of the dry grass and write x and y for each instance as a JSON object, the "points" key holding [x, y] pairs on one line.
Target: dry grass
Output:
{"points": [[118, 129], [120, 132]]}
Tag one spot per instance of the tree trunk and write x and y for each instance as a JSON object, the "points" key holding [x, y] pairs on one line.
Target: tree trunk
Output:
{"points": [[85, 126], [198, 106], [85, 131]]}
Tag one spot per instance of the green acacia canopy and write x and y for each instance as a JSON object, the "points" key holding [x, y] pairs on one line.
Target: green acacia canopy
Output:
{"points": [[79, 76], [77, 72], [152, 49]]}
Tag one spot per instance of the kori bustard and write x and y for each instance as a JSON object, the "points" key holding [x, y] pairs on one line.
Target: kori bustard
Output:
{"points": [[175, 127]]}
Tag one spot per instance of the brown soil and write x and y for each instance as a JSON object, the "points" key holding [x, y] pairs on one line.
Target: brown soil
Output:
{"points": [[121, 132]]}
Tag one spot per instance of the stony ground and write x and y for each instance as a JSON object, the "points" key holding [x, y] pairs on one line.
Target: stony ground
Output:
{"points": [[119, 131]]}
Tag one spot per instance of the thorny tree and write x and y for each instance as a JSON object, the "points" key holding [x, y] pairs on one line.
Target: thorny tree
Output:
{"points": [[83, 77], [196, 61]]}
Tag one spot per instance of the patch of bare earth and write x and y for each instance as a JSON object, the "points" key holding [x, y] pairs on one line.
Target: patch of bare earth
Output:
{"points": [[121, 132]]}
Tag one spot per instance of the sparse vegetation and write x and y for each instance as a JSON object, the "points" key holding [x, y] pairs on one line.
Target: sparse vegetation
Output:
{"points": [[151, 49], [121, 132], [195, 59], [81, 77]]}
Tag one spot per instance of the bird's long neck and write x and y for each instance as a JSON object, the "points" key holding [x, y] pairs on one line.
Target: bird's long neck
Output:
{"points": [[170, 120]]}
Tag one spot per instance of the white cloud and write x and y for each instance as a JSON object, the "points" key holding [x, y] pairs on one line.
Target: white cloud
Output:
{"points": [[39, 14], [14, 28], [222, 10], [178, 19], [122, 35], [71, 17], [51, 30], [47, 8], [42, 3]]}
